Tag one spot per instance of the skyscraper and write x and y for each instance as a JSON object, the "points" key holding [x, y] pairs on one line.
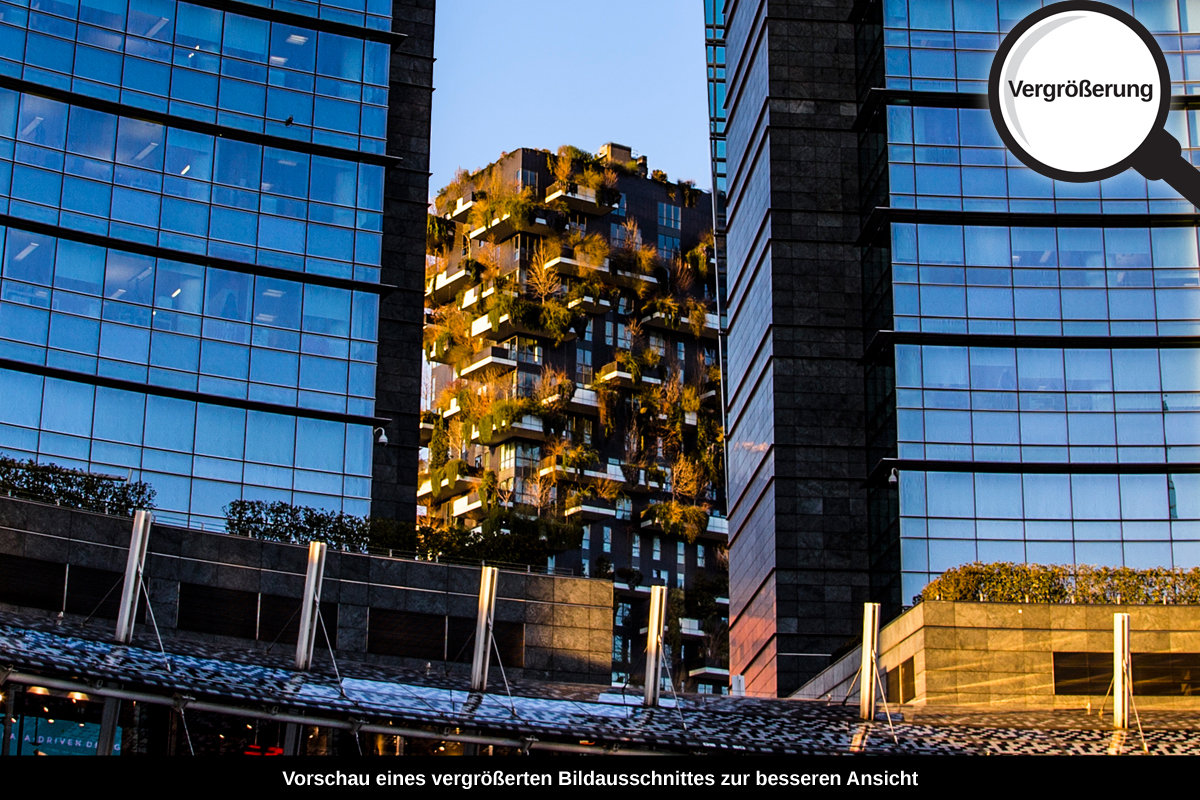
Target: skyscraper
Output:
{"points": [[797, 510], [212, 245], [965, 360]]}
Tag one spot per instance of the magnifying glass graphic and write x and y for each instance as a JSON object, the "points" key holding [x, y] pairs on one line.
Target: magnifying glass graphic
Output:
{"points": [[1079, 91]]}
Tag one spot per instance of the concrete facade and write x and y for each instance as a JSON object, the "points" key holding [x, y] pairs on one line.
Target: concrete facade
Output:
{"points": [[558, 628], [1001, 655]]}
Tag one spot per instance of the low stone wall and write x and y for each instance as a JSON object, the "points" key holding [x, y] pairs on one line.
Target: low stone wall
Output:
{"points": [[559, 628], [1002, 654]]}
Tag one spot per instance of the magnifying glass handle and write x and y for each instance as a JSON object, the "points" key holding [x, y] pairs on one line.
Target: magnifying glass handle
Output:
{"points": [[1160, 158]]}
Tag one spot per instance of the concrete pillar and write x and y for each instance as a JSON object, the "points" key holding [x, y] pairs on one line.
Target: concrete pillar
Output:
{"points": [[126, 615], [654, 632], [870, 662], [1122, 672], [483, 628], [310, 603]]}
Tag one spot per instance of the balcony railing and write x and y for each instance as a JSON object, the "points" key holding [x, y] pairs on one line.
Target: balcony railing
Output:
{"points": [[589, 509], [499, 358], [506, 327], [712, 324], [617, 374], [578, 198], [444, 285], [462, 208], [500, 229], [527, 427]]}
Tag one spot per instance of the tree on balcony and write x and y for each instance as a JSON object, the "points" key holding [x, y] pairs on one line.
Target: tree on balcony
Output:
{"points": [[543, 281]]}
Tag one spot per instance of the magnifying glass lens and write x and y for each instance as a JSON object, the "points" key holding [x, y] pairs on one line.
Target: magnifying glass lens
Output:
{"points": [[1079, 92]]}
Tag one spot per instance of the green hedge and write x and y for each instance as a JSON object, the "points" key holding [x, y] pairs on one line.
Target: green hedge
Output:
{"points": [[504, 536], [1037, 583], [73, 488], [282, 522]]}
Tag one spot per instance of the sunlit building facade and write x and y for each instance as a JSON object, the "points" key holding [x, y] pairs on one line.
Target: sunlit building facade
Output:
{"points": [[197, 275], [965, 360]]}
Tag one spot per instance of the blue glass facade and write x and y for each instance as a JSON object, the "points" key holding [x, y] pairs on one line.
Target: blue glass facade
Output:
{"points": [[192, 215], [1039, 338]]}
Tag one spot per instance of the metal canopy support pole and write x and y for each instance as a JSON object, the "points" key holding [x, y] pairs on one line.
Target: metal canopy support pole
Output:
{"points": [[306, 639], [654, 632], [1122, 677], [868, 672], [309, 605], [483, 628], [126, 616]]}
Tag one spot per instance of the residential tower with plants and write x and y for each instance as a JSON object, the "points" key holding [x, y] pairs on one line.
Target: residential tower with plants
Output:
{"points": [[573, 414]]}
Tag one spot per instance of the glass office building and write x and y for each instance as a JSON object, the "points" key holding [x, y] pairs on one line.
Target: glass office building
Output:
{"points": [[193, 221], [1046, 361], [936, 355]]}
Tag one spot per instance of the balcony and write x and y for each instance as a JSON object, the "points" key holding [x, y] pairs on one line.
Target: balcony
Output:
{"points": [[589, 509], [582, 401], [690, 628], [690, 418], [577, 198], [568, 265], [426, 432], [506, 327], [589, 305], [499, 359], [483, 291], [469, 506], [451, 409], [631, 279], [710, 669], [616, 374], [527, 427], [712, 324], [557, 466], [631, 590], [639, 479], [438, 351], [503, 228], [443, 286], [464, 481], [462, 208]]}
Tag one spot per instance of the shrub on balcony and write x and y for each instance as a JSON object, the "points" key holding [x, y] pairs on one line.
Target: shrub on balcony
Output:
{"points": [[683, 521], [449, 472], [507, 535], [628, 575], [73, 488], [551, 317], [667, 306], [439, 234], [439, 445], [502, 415]]}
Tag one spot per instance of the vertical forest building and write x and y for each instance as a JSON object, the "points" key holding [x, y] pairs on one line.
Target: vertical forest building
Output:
{"points": [[574, 413]]}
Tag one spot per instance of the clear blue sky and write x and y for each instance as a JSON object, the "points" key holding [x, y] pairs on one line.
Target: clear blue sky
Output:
{"points": [[530, 73]]}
